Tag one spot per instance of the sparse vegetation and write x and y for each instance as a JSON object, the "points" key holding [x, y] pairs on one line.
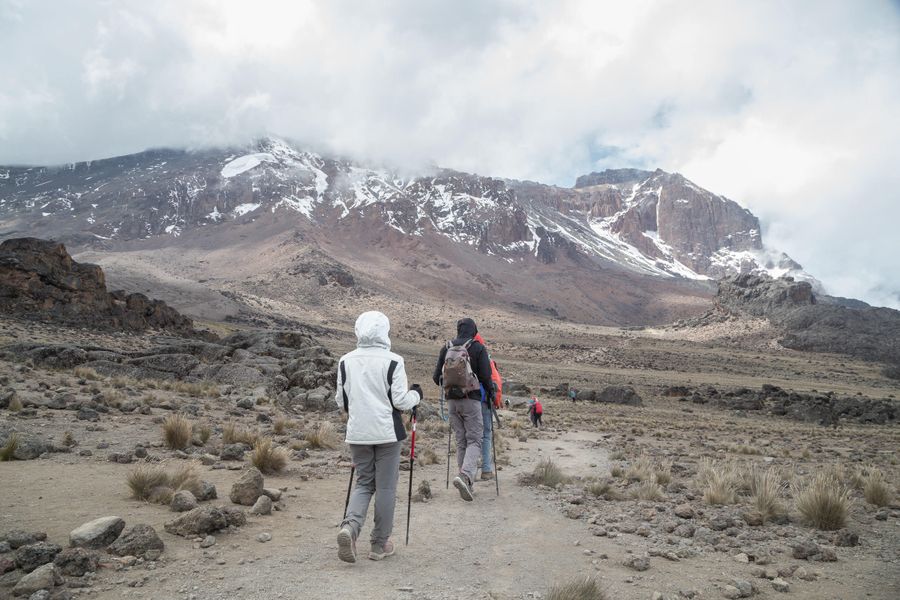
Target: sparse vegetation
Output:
{"points": [[603, 488], [823, 501], [641, 469], [322, 436], [765, 501], [546, 473], [617, 472], [876, 489], [282, 424], [267, 457], [69, 439], [203, 433], [647, 490], [9, 448], [157, 485], [233, 434], [583, 588], [15, 404], [718, 482], [428, 457], [177, 431], [87, 373]]}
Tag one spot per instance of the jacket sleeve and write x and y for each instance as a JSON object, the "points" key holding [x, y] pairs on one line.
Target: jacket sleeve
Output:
{"points": [[484, 370], [403, 397], [338, 393], [439, 369]]}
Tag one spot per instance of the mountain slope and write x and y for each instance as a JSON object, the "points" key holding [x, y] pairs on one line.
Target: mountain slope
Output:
{"points": [[651, 234]]}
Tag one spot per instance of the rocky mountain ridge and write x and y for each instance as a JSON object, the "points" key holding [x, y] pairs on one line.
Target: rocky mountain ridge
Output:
{"points": [[649, 223]]}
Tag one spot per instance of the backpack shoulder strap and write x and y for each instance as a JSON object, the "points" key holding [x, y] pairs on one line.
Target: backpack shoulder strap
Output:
{"points": [[343, 387], [467, 344], [390, 381]]}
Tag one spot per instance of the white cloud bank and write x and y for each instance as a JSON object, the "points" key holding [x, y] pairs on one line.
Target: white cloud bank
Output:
{"points": [[790, 108]]}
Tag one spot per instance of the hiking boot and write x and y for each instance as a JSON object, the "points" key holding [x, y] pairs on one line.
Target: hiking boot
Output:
{"points": [[346, 545], [487, 475], [381, 551], [461, 483]]}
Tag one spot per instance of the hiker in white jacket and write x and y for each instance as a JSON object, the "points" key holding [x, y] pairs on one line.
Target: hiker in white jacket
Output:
{"points": [[372, 389]]}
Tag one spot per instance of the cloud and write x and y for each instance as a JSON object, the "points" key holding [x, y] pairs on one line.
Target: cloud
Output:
{"points": [[788, 108]]}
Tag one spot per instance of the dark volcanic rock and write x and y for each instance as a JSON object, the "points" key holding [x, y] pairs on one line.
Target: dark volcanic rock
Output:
{"points": [[618, 394], [136, 540], [32, 556], [39, 280]]}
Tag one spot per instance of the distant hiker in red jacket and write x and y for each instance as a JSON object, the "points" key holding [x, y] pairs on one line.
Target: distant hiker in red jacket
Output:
{"points": [[535, 411]]}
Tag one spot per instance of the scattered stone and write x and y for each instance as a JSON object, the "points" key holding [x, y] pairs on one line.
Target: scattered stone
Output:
{"points": [[207, 492], [245, 403], [199, 521], [232, 452], [32, 556], [263, 506], [234, 515], [248, 488], [208, 541], [137, 540], [638, 563], [685, 511], [780, 585], [6, 565], [140, 452], [183, 501], [275, 494], [75, 562], [87, 414], [42, 578], [845, 538], [264, 537], [40, 595], [98, 533], [742, 558], [18, 538]]}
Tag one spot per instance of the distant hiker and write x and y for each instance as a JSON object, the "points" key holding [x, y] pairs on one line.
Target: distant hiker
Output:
{"points": [[535, 411], [573, 393], [463, 368], [487, 420], [372, 390]]}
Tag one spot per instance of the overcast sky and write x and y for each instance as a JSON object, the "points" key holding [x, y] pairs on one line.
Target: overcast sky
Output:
{"points": [[790, 108]]}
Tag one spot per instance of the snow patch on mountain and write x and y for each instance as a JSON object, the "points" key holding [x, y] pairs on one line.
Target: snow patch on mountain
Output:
{"points": [[242, 209], [244, 163]]}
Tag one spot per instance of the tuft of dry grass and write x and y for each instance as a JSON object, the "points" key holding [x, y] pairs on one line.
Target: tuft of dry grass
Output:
{"points": [[282, 424], [155, 484], [823, 501], [177, 432], [322, 436], [603, 489], [876, 489], [232, 434], [663, 472], [640, 469], [765, 499], [546, 473], [427, 457], [69, 439], [15, 404], [203, 432], [582, 588], [647, 490], [719, 483], [617, 472], [87, 373], [267, 457], [9, 448]]}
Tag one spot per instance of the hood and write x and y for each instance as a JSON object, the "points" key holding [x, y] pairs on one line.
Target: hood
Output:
{"points": [[466, 329], [372, 330]]}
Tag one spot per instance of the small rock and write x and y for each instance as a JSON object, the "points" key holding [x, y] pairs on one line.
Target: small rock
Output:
{"points": [[207, 492], [780, 585], [263, 506], [248, 488], [208, 542], [245, 403], [264, 537], [200, 521], [638, 563], [731, 592], [42, 578], [183, 501], [32, 556], [98, 533], [685, 511], [275, 494], [18, 538], [232, 452], [846, 538], [75, 562], [742, 558], [40, 595], [137, 540]]}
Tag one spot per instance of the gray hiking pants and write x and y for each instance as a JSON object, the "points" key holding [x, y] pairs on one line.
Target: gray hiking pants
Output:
{"points": [[377, 468], [465, 419]]}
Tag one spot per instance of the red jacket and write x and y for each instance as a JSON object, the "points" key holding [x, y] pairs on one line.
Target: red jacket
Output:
{"points": [[495, 375]]}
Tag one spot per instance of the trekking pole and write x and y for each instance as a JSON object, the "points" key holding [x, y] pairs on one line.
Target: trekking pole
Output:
{"points": [[494, 450], [449, 435], [349, 487], [412, 457]]}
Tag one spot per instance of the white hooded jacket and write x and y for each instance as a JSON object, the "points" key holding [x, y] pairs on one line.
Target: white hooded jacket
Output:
{"points": [[374, 411]]}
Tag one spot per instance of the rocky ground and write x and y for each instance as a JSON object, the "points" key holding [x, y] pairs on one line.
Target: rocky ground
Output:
{"points": [[630, 505]]}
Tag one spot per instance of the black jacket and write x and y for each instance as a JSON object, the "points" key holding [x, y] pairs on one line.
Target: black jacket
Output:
{"points": [[478, 354]]}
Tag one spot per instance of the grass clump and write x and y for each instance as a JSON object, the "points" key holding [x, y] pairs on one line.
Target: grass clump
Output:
{"points": [[603, 488], [282, 424], [583, 588], [547, 473], [155, 484], [87, 373], [267, 457], [322, 436], [647, 490], [177, 432], [15, 404], [203, 433], [8, 450], [427, 457], [765, 499], [876, 489], [823, 501], [641, 469], [719, 483], [232, 434]]}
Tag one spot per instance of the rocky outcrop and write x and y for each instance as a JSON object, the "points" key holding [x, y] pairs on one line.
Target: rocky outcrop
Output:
{"points": [[39, 280], [810, 324]]}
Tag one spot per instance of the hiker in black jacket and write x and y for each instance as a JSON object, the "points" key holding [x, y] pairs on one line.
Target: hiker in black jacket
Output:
{"points": [[465, 407]]}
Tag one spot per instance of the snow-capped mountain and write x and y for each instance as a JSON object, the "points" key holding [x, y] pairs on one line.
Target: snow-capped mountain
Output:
{"points": [[652, 223]]}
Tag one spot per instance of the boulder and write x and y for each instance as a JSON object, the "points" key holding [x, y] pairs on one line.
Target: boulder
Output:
{"points": [[18, 538], [136, 541], [32, 556], [75, 562], [207, 492], [263, 506], [234, 515], [619, 394], [200, 521], [248, 488], [183, 501], [43, 578], [98, 533], [232, 452]]}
